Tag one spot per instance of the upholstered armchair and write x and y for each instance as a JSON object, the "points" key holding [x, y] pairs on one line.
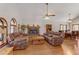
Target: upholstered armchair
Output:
{"points": [[18, 42], [54, 38]]}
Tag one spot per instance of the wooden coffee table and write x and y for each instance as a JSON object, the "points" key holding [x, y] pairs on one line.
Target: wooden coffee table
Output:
{"points": [[36, 39]]}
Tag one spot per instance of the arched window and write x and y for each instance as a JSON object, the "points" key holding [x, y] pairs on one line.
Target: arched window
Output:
{"points": [[13, 25], [3, 30]]}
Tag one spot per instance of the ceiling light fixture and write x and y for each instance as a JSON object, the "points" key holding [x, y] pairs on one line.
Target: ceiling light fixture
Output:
{"points": [[69, 20], [47, 15]]}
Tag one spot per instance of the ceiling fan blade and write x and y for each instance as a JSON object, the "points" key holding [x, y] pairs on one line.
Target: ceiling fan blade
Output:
{"points": [[51, 15]]}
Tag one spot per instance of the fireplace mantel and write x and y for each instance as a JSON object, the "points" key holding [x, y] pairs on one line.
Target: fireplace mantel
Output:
{"points": [[33, 29]]}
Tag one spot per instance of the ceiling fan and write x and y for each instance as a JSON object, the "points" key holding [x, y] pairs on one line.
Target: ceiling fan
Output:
{"points": [[47, 15]]}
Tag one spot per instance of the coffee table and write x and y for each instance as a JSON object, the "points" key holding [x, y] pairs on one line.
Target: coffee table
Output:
{"points": [[36, 39]]}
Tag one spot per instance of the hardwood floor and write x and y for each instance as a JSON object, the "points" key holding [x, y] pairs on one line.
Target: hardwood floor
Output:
{"points": [[67, 48]]}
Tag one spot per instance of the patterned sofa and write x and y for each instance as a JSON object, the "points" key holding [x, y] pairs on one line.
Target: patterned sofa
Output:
{"points": [[17, 41], [54, 38]]}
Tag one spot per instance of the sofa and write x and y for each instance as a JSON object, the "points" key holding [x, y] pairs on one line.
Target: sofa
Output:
{"points": [[54, 38]]}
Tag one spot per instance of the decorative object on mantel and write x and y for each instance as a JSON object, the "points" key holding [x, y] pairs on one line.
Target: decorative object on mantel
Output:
{"points": [[33, 29], [23, 28], [47, 15], [19, 27]]}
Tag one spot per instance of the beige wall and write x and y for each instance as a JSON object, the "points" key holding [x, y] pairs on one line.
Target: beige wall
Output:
{"points": [[33, 14]]}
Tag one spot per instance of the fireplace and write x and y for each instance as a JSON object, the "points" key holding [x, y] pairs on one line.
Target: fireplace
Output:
{"points": [[33, 30]]}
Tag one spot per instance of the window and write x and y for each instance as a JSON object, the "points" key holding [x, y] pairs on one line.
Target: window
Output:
{"points": [[1, 24], [63, 27], [13, 25], [3, 30], [1, 37], [12, 29], [75, 27]]}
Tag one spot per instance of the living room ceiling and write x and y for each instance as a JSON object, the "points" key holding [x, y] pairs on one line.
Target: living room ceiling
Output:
{"points": [[36, 11]]}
